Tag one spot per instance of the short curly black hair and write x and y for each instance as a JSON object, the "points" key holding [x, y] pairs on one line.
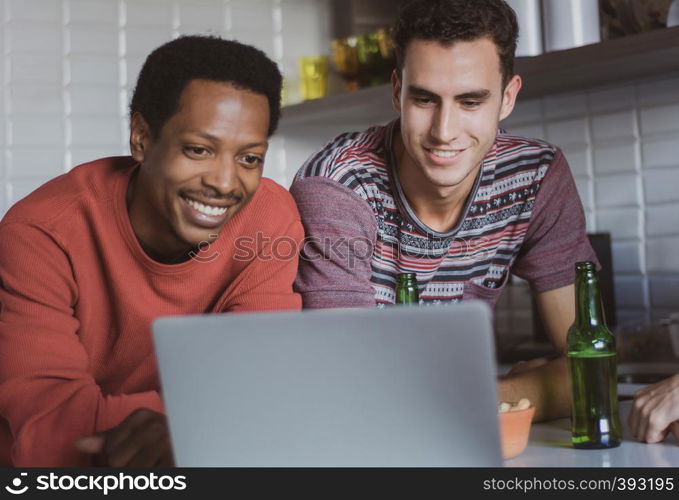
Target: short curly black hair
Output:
{"points": [[448, 21], [170, 68]]}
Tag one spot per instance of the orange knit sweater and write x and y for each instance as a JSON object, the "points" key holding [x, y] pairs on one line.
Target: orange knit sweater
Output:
{"points": [[78, 295]]}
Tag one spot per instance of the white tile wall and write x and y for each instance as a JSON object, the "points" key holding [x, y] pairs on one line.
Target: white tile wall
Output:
{"points": [[89, 12], [664, 291], [568, 133], [37, 99], [565, 105], [34, 69], [611, 99], [30, 131], [68, 67], [660, 91], [630, 292], [139, 41], [662, 220], [661, 151], [41, 38], [615, 157], [659, 119], [620, 125], [197, 17], [35, 162], [149, 13], [662, 255], [91, 40], [93, 70], [622, 143], [617, 191], [33, 10], [622, 223], [661, 185], [627, 257], [528, 112], [94, 100], [578, 160], [536, 130]]}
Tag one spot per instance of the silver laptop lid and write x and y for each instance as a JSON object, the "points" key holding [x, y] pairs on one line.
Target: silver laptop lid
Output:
{"points": [[410, 386]]}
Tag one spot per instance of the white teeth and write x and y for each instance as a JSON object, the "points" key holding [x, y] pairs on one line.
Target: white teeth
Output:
{"points": [[444, 154], [206, 209]]}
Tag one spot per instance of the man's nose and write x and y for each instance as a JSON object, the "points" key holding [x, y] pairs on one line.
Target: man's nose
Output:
{"points": [[445, 124], [222, 176]]}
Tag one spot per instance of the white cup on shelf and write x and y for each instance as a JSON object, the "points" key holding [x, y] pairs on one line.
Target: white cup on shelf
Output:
{"points": [[570, 23], [673, 14], [530, 27]]}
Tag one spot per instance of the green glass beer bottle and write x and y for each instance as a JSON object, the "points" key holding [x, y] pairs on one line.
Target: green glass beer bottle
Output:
{"points": [[406, 289], [592, 362]]}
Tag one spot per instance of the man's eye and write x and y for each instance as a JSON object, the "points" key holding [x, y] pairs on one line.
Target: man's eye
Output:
{"points": [[252, 160], [196, 151], [471, 104], [423, 100]]}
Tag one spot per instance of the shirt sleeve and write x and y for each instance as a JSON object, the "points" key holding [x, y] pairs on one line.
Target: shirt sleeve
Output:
{"points": [[265, 284], [47, 393], [335, 261], [557, 237]]}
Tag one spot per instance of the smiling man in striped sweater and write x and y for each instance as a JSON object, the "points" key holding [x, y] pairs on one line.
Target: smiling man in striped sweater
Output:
{"points": [[91, 258], [440, 192]]}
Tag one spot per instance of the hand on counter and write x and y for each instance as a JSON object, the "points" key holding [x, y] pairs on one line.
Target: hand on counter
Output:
{"points": [[524, 366], [655, 411], [141, 440]]}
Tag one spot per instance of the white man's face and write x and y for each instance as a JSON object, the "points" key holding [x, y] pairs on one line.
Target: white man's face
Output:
{"points": [[450, 99]]}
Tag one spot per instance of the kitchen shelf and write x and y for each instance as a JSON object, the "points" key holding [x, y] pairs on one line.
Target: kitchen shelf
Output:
{"points": [[373, 101], [613, 61]]}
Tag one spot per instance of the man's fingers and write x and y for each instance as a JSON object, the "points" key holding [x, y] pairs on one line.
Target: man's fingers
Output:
{"points": [[167, 460], [120, 435], [91, 444], [635, 416], [140, 439], [674, 429], [654, 436], [152, 454]]}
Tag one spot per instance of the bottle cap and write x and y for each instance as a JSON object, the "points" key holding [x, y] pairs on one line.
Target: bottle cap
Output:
{"points": [[406, 276], [585, 266]]}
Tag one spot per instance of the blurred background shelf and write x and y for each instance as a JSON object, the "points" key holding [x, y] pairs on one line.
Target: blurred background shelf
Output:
{"points": [[613, 61], [371, 102]]}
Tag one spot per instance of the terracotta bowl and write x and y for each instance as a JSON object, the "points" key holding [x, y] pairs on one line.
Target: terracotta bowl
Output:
{"points": [[514, 431]]}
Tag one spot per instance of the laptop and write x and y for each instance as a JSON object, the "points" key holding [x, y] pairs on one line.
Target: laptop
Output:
{"points": [[393, 387]]}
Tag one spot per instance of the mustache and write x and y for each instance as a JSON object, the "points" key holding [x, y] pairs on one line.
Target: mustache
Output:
{"points": [[212, 194]]}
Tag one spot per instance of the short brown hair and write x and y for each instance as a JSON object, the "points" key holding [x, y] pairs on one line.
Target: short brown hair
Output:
{"points": [[448, 21]]}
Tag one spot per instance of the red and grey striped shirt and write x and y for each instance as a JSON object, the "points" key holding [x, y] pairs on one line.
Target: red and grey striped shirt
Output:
{"points": [[523, 216]]}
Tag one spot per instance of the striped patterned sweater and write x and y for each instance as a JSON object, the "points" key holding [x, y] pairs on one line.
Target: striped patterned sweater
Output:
{"points": [[523, 216]]}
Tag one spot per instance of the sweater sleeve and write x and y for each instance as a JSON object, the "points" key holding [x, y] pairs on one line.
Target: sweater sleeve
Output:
{"points": [[335, 261], [265, 284], [557, 237], [47, 392]]}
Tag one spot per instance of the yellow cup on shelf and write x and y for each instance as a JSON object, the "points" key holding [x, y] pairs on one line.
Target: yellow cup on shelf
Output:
{"points": [[313, 77]]}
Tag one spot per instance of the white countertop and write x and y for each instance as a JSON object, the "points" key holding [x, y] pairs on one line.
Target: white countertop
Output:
{"points": [[550, 446]]}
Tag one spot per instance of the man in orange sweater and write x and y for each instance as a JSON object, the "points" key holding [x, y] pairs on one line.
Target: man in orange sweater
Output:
{"points": [[91, 258]]}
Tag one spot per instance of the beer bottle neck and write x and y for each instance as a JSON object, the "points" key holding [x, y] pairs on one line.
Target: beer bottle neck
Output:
{"points": [[589, 310]]}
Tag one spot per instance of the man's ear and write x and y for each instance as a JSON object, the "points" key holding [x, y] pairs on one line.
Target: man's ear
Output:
{"points": [[509, 96], [140, 137], [396, 91]]}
